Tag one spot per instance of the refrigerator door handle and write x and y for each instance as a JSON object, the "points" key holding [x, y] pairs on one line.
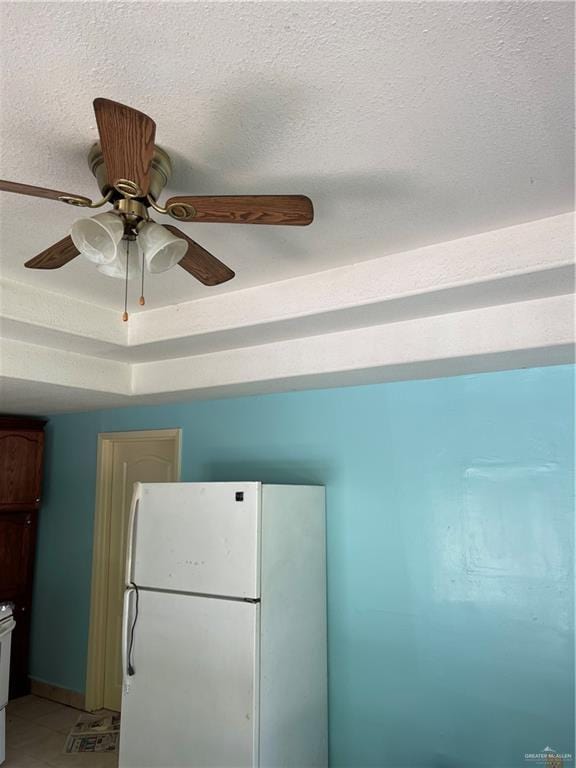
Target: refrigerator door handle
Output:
{"points": [[136, 496], [125, 631]]}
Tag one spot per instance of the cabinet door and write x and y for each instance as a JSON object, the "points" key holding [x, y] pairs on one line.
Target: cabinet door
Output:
{"points": [[19, 681], [20, 468], [17, 537], [16, 545]]}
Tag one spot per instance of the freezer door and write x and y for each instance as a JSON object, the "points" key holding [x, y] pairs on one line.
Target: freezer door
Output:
{"points": [[196, 537], [193, 699]]}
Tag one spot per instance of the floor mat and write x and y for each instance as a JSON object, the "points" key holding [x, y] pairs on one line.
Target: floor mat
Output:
{"points": [[94, 733]]}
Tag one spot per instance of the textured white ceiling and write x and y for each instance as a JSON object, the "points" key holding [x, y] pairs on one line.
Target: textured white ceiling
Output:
{"points": [[407, 123]]}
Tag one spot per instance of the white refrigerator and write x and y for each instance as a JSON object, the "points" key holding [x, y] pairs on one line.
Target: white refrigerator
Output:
{"points": [[224, 627]]}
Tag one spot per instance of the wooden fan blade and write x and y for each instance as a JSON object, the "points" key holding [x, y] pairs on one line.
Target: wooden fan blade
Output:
{"points": [[127, 141], [27, 189], [294, 210], [201, 264], [55, 256]]}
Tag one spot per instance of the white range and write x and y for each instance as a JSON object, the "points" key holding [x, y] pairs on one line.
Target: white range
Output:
{"points": [[7, 624]]}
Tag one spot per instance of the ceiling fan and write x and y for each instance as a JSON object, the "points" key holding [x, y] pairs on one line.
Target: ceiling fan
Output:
{"points": [[131, 172]]}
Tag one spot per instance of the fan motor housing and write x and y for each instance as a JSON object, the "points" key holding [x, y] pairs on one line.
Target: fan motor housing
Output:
{"points": [[160, 170]]}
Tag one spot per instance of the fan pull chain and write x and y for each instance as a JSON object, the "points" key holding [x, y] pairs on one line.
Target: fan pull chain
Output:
{"points": [[142, 300], [125, 315]]}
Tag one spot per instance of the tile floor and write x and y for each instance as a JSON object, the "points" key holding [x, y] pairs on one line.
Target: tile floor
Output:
{"points": [[36, 731]]}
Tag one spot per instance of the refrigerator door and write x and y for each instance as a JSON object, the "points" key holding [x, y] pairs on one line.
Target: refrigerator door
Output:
{"points": [[196, 537], [192, 701]]}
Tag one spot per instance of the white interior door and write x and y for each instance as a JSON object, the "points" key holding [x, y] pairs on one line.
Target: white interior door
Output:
{"points": [[149, 459], [198, 537], [193, 699]]}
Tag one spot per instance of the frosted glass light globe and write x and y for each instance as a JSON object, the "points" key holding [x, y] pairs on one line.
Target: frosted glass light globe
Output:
{"points": [[162, 250], [97, 238]]}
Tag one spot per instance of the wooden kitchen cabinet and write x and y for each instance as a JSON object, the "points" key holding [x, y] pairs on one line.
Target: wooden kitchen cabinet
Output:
{"points": [[21, 449], [21, 452]]}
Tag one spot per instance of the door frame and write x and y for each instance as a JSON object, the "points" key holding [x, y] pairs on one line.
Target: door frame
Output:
{"points": [[100, 552]]}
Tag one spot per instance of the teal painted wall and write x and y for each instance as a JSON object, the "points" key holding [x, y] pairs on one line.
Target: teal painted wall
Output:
{"points": [[450, 542]]}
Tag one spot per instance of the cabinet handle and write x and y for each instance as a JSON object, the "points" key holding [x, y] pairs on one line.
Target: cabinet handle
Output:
{"points": [[38, 500]]}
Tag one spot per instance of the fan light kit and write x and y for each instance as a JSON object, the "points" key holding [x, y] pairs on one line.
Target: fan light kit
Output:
{"points": [[131, 172]]}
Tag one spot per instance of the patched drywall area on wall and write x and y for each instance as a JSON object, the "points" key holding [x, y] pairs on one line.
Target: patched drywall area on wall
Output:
{"points": [[450, 543]]}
